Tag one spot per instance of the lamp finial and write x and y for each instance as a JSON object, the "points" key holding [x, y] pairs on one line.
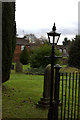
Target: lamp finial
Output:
{"points": [[54, 27]]}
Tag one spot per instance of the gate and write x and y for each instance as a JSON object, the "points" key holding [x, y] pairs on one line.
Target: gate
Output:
{"points": [[69, 96]]}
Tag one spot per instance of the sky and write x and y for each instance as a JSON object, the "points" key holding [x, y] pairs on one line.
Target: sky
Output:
{"points": [[38, 17]]}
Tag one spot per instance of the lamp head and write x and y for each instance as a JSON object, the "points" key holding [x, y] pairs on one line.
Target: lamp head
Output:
{"points": [[54, 34]]}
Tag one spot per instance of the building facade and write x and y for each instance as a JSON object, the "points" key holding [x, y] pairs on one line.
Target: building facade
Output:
{"points": [[20, 44]]}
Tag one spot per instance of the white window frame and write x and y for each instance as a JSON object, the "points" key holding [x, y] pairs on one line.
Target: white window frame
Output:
{"points": [[22, 47]]}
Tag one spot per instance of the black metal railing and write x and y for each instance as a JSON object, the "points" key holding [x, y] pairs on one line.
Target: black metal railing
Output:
{"points": [[69, 96]]}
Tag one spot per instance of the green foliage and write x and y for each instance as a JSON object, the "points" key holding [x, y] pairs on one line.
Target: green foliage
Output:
{"points": [[66, 41], [8, 37], [38, 58], [74, 53], [24, 56], [35, 71]]}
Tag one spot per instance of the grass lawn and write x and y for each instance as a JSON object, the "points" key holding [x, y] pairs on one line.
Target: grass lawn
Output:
{"points": [[21, 93], [20, 96]]}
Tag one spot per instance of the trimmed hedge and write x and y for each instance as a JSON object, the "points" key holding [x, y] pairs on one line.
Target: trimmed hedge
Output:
{"points": [[8, 37], [24, 56]]}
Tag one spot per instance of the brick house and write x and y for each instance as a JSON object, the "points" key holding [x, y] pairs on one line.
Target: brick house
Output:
{"points": [[20, 44]]}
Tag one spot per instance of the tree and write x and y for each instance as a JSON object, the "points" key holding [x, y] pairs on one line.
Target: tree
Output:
{"points": [[38, 59], [24, 56], [66, 41], [74, 53], [8, 38]]}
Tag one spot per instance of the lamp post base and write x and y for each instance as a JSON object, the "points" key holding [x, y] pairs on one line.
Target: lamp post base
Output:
{"points": [[44, 103], [53, 112], [50, 114]]}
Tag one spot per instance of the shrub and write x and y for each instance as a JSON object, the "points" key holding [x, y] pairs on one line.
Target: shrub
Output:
{"points": [[38, 59], [24, 56], [74, 53]]}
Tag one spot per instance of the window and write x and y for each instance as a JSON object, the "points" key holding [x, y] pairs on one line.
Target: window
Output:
{"points": [[64, 51], [60, 50], [22, 47]]}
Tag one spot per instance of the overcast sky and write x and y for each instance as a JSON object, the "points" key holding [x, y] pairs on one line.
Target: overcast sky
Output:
{"points": [[38, 17]]}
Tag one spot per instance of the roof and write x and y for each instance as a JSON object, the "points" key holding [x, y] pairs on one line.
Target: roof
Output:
{"points": [[22, 41], [60, 47]]}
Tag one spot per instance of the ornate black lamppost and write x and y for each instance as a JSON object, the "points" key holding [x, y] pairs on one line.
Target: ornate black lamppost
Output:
{"points": [[54, 42]]}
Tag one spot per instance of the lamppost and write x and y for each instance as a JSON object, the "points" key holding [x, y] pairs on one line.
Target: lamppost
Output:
{"points": [[54, 42]]}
